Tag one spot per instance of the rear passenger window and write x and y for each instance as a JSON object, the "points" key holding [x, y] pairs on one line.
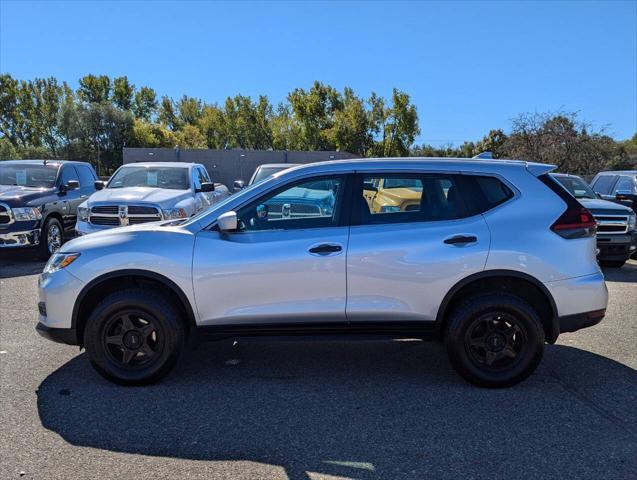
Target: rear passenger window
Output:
{"points": [[397, 198], [403, 198]]}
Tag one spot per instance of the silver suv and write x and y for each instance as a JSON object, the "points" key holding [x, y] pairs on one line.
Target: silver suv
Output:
{"points": [[494, 259]]}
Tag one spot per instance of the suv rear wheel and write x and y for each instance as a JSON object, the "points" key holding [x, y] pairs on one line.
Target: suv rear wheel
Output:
{"points": [[495, 340], [134, 337]]}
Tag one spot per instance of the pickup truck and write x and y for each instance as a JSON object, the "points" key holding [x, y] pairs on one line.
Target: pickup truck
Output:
{"points": [[263, 171], [39, 200], [149, 192], [616, 230]]}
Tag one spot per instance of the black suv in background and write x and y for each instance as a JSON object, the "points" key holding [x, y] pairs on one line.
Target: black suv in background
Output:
{"points": [[618, 186], [616, 231], [39, 200]]}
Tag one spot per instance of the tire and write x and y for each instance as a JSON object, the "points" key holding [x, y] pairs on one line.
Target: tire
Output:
{"points": [[612, 263], [51, 229], [494, 340], [134, 337]]}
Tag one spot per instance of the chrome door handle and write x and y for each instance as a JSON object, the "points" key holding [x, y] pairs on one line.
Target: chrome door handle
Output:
{"points": [[460, 239], [325, 249]]}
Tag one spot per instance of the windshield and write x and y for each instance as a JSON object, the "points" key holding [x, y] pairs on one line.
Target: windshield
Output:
{"points": [[24, 175], [265, 172], [577, 187], [174, 178], [237, 196]]}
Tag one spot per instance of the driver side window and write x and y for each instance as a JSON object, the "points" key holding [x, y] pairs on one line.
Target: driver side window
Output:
{"points": [[312, 203]]}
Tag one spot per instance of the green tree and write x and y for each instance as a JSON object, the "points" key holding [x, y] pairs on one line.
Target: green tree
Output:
{"points": [[123, 92], [350, 131], [395, 127], [94, 89], [151, 135], [167, 114], [190, 137], [145, 105], [189, 110]]}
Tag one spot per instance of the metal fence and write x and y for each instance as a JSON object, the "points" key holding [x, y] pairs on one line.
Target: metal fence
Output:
{"points": [[226, 166]]}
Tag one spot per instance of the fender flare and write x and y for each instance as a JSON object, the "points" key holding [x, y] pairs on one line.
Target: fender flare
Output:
{"points": [[442, 309]]}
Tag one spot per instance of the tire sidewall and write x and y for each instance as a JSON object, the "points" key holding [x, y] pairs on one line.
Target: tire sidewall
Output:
{"points": [[169, 324], [44, 236], [461, 320]]}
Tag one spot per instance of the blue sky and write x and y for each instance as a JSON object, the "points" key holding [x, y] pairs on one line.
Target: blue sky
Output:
{"points": [[468, 66]]}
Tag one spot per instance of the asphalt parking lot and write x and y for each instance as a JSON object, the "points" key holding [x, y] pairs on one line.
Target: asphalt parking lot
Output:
{"points": [[317, 409]]}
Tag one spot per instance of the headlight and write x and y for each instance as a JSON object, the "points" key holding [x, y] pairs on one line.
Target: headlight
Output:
{"points": [[82, 213], [59, 261], [389, 209], [632, 221], [24, 214], [174, 213]]}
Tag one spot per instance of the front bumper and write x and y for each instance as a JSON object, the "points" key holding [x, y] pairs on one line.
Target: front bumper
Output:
{"points": [[58, 335], [616, 247], [84, 228], [27, 238], [57, 296]]}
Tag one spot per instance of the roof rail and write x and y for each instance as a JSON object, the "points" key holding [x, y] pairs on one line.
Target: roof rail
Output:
{"points": [[483, 155]]}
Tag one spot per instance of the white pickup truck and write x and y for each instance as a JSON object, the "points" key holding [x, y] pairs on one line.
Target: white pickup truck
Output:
{"points": [[149, 192]]}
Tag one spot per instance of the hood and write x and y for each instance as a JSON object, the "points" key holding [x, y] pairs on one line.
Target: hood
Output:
{"points": [[163, 197], [601, 207], [16, 196]]}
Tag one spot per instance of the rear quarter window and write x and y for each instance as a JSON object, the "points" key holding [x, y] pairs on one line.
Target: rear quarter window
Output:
{"points": [[482, 193]]}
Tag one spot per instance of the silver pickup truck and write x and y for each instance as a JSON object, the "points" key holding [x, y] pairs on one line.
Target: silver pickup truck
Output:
{"points": [[149, 192]]}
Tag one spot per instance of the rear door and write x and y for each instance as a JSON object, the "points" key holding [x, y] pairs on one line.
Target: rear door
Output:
{"points": [[406, 252]]}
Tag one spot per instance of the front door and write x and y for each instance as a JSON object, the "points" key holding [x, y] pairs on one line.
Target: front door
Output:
{"points": [[410, 245], [285, 263]]}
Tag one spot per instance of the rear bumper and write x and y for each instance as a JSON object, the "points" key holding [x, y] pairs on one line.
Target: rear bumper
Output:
{"points": [[27, 238], [579, 295], [67, 336], [616, 247], [572, 323]]}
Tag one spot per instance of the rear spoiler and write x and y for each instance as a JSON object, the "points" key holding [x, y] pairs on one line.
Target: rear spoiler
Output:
{"points": [[538, 169]]}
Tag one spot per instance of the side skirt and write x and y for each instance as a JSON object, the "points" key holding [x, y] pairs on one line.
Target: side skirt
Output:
{"points": [[422, 330]]}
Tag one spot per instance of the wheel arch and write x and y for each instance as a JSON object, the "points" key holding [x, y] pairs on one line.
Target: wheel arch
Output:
{"points": [[508, 280], [112, 281]]}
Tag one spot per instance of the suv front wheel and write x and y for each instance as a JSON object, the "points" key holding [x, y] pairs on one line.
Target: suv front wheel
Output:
{"points": [[134, 337], [495, 340]]}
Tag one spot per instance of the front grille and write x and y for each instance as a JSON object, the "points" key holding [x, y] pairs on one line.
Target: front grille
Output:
{"points": [[139, 210], [5, 214], [109, 221], [108, 215], [612, 223], [296, 210], [107, 209]]}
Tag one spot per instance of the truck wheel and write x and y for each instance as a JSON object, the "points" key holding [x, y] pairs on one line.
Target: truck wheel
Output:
{"points": [[495, 340], [134, 336], [51, 237], [612, 263]]}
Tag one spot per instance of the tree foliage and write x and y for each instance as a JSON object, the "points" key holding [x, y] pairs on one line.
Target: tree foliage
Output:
{"points": [[47, 119]]}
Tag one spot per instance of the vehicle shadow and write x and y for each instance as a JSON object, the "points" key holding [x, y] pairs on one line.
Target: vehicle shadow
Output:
{"points": [[627, 273], [20, 263], [375, 409]]}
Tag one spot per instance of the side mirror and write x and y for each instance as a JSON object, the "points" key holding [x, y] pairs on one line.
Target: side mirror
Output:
{"points": [[99, 184], [369, 186], [70, 185], [206, 187], [227, 222], [238, 185], [623, 195]]}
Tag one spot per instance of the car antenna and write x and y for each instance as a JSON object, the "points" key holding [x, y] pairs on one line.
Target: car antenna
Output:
{"points": [[484, 155]]}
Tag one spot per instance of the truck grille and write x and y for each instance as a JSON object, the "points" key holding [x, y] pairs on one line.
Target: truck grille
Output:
{"points": [[611, 223], [275, 210], [123, 215], [5, 214]]}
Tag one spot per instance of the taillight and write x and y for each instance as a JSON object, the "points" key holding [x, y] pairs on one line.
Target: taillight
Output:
{"points": [[575, 222]]}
